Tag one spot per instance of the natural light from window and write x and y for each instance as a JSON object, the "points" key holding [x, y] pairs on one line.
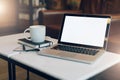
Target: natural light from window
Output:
{"points": [[2, 7], [7, 13]]}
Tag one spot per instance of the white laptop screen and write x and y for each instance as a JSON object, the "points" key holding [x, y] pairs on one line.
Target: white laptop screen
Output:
{"points": [[84, 30]]}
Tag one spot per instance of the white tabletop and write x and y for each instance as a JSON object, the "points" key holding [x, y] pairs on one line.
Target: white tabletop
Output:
{"points": [[67, 70], [9, 43], [59, 68]]}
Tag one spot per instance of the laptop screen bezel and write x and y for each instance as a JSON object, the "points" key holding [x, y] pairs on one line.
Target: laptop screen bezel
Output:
{"points": [[85, 15]]}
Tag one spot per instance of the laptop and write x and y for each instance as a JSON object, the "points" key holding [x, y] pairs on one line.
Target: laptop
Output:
{"points": [[83, 38]]}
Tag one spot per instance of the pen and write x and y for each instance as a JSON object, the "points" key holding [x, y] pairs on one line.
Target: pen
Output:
{"points": [[28, 50], [32, 50]]}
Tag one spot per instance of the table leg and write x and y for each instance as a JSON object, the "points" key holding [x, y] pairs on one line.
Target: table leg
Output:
{"points": [[14, 71], [27, 74], [10, 74]]}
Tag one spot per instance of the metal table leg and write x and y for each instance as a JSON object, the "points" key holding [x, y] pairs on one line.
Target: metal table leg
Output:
{"points": [[10, 71], [27, 74], [13, 71]]}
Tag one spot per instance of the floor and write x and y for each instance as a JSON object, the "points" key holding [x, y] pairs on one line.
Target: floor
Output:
{"points": [[21, 73], [113, 46]]}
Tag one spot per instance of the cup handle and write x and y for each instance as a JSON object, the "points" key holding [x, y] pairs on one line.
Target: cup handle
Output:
{"points": [[25, 31]]}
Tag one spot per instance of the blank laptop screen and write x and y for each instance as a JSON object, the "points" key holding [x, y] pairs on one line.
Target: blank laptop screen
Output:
{"points": [[84, 30]]}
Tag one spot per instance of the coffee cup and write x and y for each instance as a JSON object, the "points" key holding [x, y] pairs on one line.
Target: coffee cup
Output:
{"points": [[37, 33]]}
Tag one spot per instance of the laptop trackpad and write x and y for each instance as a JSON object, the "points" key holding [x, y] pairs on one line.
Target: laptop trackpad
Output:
{"points": [[57, 53], [65, 54]]}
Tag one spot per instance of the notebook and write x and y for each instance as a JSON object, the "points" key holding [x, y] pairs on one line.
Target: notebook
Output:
{"points": [[84, 32]]}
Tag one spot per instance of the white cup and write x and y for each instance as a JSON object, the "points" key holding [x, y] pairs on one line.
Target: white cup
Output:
{"points": [[37, 33]]}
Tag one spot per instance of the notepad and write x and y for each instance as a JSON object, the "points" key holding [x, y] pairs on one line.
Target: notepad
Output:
{"points": [[31, 44]]}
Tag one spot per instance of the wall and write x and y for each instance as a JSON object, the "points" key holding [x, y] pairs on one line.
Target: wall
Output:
{"points": [[8, 17], [8, 14]]}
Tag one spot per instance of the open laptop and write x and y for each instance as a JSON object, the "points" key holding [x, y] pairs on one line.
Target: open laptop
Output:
{"points": [[87, 33]]}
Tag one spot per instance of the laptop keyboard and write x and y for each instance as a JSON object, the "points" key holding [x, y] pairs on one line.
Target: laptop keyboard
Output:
{"points": [[76, 49]]}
